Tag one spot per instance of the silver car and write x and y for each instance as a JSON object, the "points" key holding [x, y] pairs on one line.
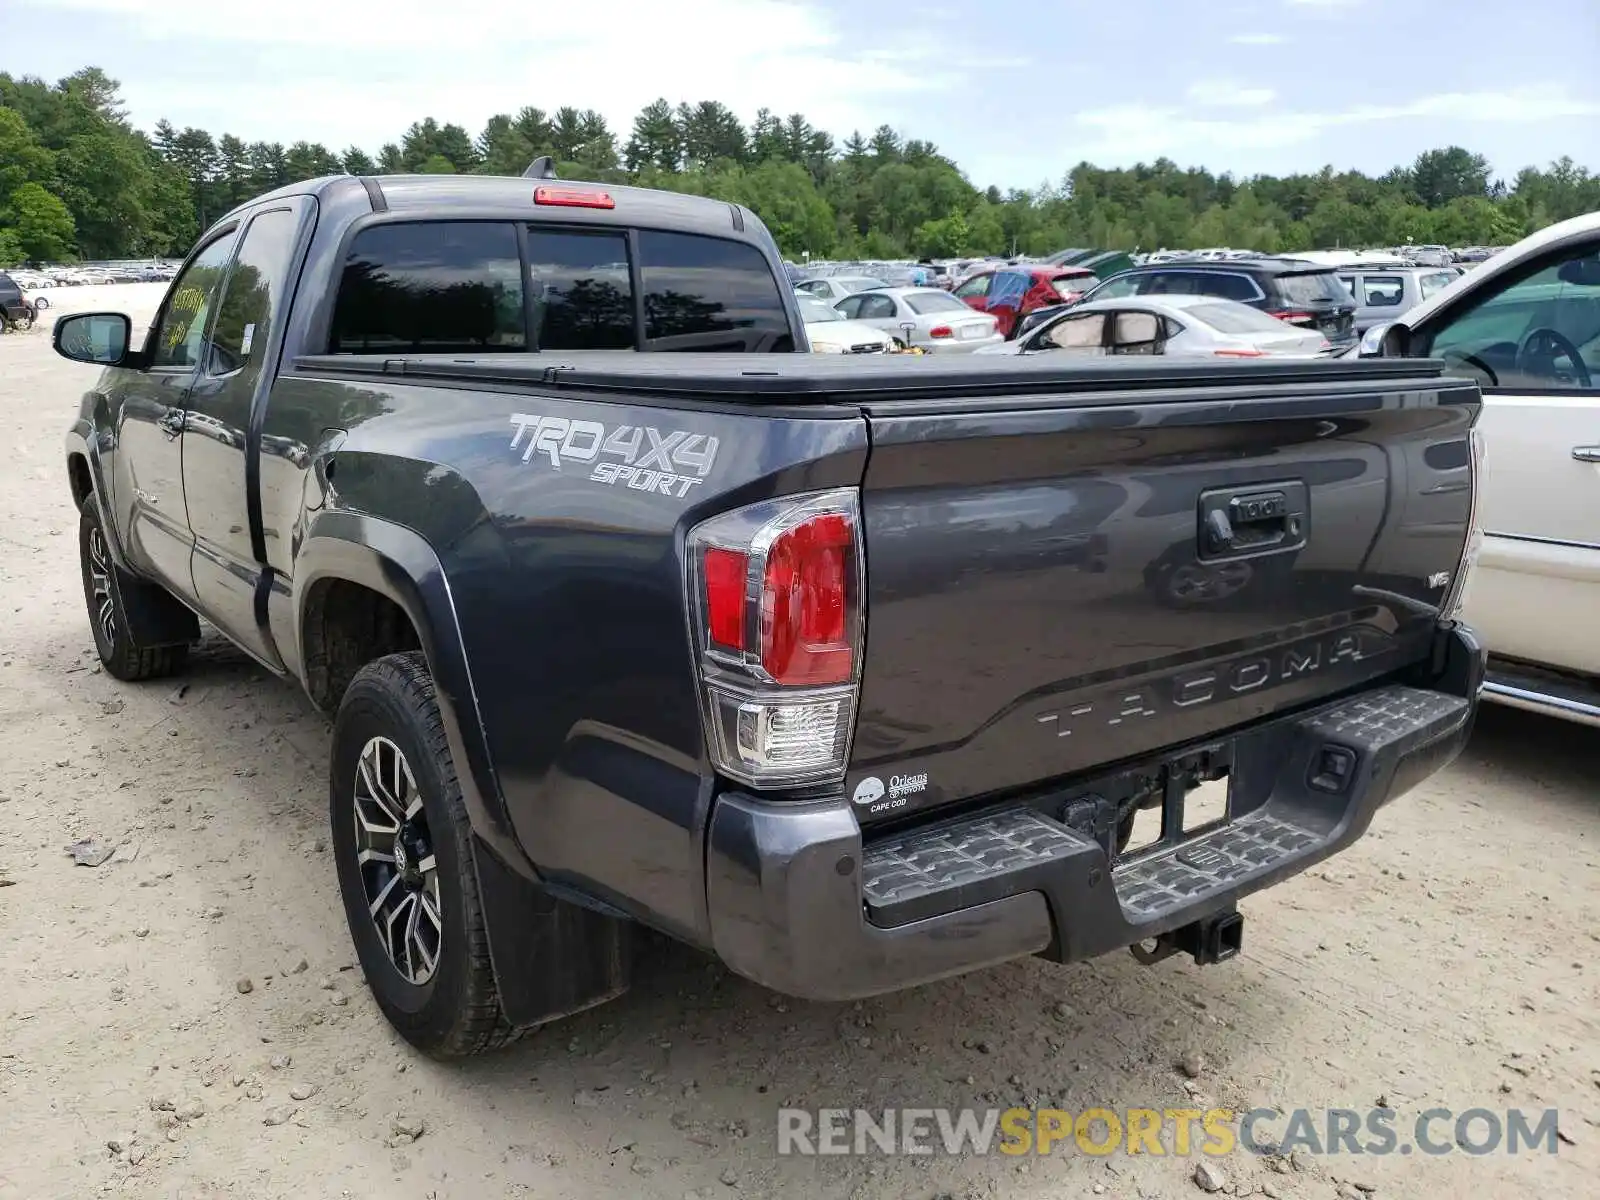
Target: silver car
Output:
{"points": [[836, 287], [1386, 293], [926, 319], [1174, 326]]}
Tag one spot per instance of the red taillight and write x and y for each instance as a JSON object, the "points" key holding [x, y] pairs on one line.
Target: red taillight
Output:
{"points": [[804, 603], [1293, 316], [941, 331], [569, 197], [1239, 353], [778, 596], [725, 572]]}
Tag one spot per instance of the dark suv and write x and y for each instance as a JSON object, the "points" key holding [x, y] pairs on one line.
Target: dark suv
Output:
{"points": [[1292, 290], [14, 307]]}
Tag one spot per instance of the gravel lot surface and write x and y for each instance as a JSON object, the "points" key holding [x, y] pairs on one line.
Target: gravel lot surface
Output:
{"points": [[182, 1020]]}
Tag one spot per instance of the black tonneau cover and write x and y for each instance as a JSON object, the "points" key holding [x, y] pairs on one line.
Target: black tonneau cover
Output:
{"points": [[820, 378]]}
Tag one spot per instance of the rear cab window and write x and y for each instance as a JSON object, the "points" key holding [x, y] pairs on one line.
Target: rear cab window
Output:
{"points": [[705, 293], [580, 290], [477, 287], [431, 287]]}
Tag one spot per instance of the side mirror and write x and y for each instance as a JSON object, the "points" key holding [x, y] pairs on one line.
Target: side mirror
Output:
{"points": [[100, 339], [1387, 339]]}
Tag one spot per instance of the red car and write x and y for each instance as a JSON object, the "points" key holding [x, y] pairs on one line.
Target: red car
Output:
{"points": [[1006, 293]]}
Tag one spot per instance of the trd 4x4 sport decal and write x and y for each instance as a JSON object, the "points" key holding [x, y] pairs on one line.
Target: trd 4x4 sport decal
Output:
{"points": [[646, 459]]}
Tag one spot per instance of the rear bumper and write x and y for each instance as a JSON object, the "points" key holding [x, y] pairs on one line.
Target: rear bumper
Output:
{"points": [[799, 905]]}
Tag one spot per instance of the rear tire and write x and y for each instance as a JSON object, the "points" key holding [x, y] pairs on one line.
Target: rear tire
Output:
{"points": [[105, 588], [428, 966]]}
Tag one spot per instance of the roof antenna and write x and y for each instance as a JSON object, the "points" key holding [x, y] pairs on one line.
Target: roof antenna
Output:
{"points": [[543, 167]]}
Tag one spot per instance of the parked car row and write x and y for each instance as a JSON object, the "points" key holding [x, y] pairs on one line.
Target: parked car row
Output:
{"points": [[49, 277], [24, 292]]}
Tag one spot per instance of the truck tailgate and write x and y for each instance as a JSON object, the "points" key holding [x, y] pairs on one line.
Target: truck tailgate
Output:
{"points": [[1059, 583]]}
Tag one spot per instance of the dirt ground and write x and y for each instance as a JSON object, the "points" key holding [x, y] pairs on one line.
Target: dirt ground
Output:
{"points": [[1448, 960]]}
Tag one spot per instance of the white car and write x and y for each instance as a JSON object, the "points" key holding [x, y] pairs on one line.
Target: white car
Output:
{"points": [[1526, 326], [1171, 325], [833, 288], [926, 319], [830, 332]]}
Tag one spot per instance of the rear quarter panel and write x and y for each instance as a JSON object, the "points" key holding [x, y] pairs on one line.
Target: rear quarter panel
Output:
{"points": [[569, 591]]}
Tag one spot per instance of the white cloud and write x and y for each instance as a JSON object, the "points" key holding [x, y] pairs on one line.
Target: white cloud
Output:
{"points": [[1258, 39], [1225, 93], [340, 72], [1130, 132]]}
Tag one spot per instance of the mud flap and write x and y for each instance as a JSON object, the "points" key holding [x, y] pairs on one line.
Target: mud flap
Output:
{"points": [[551, 958], [154, 615]]}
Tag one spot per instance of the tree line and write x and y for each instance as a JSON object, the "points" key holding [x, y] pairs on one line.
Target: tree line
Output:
{"points": [[78, 181]]}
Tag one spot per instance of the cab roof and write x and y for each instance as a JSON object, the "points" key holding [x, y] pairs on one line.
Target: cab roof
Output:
{"points": [[503, 197]]}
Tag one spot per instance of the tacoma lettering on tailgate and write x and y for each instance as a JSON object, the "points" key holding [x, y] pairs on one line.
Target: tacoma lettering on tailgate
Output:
{"points": [[1246, 673]]}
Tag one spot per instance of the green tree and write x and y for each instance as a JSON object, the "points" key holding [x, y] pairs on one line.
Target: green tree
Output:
{"points": [[1440, 176], [942, 237], [502, 150], [356, 161], [105, 180], [306, 160], [656, 140], [40, 223], [22, 158], [268, 166]]}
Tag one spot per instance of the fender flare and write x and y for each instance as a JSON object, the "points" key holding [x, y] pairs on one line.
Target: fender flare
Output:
{"points": [[83, 441], [528, 927], [398, 563]]}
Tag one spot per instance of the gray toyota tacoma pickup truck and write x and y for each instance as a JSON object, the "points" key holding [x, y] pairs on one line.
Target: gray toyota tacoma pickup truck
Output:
{"points": [[852, 671]]}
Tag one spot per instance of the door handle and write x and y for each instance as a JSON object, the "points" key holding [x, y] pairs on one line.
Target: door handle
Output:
{"points": [[171, 422], [1265, 518], [1586, 453]]}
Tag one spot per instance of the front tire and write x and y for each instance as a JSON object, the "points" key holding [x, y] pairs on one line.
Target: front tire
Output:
{"points": [[105, 589], [402, 844]]}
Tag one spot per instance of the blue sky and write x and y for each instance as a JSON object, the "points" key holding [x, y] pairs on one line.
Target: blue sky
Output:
{"points": [[1242, 85]]}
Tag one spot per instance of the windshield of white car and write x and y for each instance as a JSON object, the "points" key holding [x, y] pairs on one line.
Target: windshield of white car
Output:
{"points": [[924, 303], [1225, 318], [814, 311], [852, 283]]}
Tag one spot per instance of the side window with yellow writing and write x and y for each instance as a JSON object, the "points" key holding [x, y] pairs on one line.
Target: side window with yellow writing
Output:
{"points": [[180, 337]]}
